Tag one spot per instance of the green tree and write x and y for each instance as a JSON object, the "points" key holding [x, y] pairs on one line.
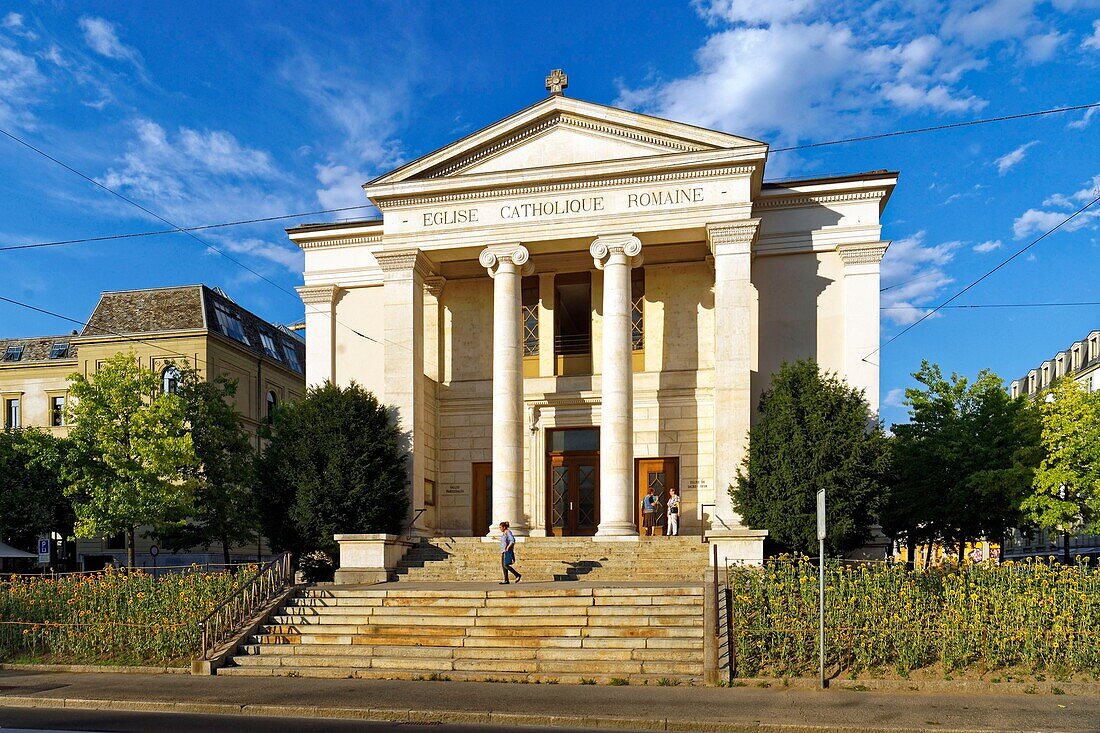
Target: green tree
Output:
{"points": [[964, 461], [131, 452], [32, 501], [333, 462], [1066, 490], [813, 432], [223, 511]]}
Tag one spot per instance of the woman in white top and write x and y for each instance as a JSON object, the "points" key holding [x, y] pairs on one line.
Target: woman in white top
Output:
{"points": [[673, 526]]}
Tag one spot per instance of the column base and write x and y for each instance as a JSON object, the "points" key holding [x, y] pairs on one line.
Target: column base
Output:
{"points": [[616, 532]]}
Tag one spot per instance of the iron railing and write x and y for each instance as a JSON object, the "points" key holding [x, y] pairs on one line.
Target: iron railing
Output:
{"points": [[406, 531], [221, 623]]}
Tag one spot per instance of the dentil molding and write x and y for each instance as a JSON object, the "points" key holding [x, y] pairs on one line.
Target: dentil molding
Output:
{"points": [[737, 236], [862, 254], [397, 262]]}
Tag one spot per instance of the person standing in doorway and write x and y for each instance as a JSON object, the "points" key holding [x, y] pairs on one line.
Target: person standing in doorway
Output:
{"points": [[650, 505], [673, 527], [508, 553]]}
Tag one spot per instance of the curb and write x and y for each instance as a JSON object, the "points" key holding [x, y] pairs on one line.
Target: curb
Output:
{"points": [[400, 715], [93, 668], [979, 687]]}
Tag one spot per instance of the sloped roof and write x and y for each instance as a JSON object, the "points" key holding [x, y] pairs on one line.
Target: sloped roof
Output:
{"points": [[9, 552], [38, 348]]}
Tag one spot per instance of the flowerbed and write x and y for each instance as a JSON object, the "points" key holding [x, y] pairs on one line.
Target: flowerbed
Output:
{"points": [[1037, 617], [112, 617]]}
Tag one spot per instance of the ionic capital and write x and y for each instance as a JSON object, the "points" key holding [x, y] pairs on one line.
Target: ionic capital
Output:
{"points": [[732, 237], [610, 245], [868, 253], [402, 263], [492, 256], [318, 294]]}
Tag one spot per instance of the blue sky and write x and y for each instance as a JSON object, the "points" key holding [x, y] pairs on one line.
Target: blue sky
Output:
{"points": [[212, 112]]}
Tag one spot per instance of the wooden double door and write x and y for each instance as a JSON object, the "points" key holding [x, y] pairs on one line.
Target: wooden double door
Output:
{"points": [[574, 494]]}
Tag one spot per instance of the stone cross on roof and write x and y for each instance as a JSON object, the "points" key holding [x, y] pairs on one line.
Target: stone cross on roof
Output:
{"points": [[556, 82]]}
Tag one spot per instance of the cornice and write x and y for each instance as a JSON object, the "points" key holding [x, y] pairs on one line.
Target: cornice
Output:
{"points": [[551, 122], [579, 185], [337, 242], [783, 202], [869, 253]]}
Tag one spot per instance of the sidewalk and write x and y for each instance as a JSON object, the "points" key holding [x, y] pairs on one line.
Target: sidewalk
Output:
{"points": [[642, 708]]}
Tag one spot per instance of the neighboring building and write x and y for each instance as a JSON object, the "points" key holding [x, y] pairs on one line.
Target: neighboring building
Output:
{"points": [[1041, 543], [1081, 361], [578, 303], [163, 328]]}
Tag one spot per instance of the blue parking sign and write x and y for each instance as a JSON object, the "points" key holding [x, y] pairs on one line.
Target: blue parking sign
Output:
{"points": [[43, 549]]}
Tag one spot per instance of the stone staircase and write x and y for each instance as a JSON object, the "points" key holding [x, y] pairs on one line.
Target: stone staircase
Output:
{"points": [[656, 559], [541, 632]]}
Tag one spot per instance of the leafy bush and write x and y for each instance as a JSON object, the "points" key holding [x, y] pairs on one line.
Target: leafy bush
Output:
{"points": [[881, 617]]}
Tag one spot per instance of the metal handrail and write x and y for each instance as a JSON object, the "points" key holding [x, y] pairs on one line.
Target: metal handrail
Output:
{"points": [[407, 529], [229, 615]]}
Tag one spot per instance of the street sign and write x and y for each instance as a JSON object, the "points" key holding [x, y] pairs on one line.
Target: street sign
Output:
{"points": [[154, 550], [821, 514], [43, 550]]}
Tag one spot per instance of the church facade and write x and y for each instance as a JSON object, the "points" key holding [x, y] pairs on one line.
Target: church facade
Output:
{"points": [[579, 303]]}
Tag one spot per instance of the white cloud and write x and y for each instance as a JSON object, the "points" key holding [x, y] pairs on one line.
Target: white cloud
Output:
{"points": [[978, 23], [894, 398], [197, 176], [1093, 42], [1042, 47], [13, 22], [1037, 221], [754, 11], [987, 246], [1082, 123], [102, 37], [1010, 159], [21, 83], [931, 99], [913, 275]]}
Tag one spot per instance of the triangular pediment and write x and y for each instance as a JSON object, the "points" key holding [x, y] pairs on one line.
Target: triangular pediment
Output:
{"points": [[561, 131]]}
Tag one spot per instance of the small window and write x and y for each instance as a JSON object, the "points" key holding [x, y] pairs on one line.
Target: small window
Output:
{"points": [[530, 315], [292, 357], [637, 309], [13, 353], [272, 403], [269, 345], [170, 379], [59, 350], [57, 411], [230, 324], [12, 414]]}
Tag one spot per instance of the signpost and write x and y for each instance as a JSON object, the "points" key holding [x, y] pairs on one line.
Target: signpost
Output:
{"points": [[821, 583], [43, 550], [154, 551]]}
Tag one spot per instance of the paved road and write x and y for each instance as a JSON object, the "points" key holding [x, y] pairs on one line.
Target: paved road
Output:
{"points": [[69, 721]]}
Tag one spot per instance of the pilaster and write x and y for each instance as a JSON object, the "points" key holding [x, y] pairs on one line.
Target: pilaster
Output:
{"points": [[861, 315], [320, 310], [731, 246]]}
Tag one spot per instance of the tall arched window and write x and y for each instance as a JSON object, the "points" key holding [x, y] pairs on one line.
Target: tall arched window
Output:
{"points": [[272, 403], [170, 379]]}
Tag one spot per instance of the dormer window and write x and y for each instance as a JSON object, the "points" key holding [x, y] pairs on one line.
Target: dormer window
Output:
{"points": [[292, 357], [269, 345], [13, 353], [230, 324], [59, 350]]}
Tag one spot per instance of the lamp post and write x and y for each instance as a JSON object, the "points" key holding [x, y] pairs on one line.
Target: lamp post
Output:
{"points": [[1066, 559]]}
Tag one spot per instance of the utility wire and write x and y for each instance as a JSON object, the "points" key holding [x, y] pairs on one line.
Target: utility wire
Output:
{"points": [[973, 284], [175, 227], [897, 133], [1001, 305], [82, 324], [36, 245], [937, 128]]}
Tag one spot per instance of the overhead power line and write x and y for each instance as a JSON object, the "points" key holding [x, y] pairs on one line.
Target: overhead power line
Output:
{"points": [[864, 138], [1001, 305], [974, 283], [131, 235], [937, 128], [176, 227]]}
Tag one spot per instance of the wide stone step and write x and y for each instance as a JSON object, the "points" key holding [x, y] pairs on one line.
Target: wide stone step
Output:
{"points": [[470, 676], [521, 662]]}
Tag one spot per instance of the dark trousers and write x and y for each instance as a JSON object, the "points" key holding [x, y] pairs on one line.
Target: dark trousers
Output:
{"points": [[507, 568]]}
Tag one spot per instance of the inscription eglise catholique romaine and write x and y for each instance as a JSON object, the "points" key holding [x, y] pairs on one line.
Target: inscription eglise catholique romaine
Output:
{"points": [[564, 206]]}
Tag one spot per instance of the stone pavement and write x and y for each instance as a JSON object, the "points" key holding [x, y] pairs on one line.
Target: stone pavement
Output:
{"points": [[776, 710]]}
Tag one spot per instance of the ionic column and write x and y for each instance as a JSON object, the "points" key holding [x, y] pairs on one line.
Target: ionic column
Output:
{"points": [[616, 255], [861, 316], [731, 245], [505, 264], [320, 303]]}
